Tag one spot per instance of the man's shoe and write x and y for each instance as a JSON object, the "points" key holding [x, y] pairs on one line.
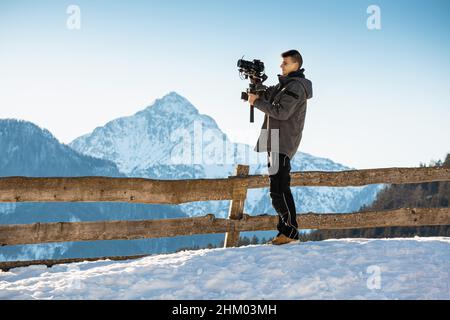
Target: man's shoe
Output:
{"points": [[282, 239], [270, 241]]}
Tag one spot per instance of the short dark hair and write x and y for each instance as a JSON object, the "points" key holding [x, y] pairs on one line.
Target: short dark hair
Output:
{"points": [[295, 55]]}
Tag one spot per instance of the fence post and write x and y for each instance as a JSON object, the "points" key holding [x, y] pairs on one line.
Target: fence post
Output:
{"points": [[237, 206]]}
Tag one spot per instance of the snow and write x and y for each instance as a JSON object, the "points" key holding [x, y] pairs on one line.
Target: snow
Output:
{"points": [[415, 268]]}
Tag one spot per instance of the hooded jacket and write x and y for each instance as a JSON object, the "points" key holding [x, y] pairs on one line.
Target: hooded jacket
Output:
{"points": [[284, 106]]}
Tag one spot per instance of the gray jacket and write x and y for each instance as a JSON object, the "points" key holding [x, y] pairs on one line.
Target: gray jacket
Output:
{"points": [[284, 106]]}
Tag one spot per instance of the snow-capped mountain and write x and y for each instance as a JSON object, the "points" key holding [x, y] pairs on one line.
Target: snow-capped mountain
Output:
{"points": [[170, 139], [148, 140], [28, 150]]}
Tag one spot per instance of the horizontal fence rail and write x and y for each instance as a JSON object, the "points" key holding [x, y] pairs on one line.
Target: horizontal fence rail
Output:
{"points": [[141, 190], [234, 188], [7, 265], [142, 229]]}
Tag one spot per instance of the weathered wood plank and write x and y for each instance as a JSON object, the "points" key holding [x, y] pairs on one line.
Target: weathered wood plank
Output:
{"points": [[93, 189], [140, 190], [110, 230], [8, 265], [121, 230], [236, 209], [403, 217], [360, 177]]}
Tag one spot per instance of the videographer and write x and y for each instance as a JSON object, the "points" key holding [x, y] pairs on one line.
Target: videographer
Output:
{"points": [[284, 106]]}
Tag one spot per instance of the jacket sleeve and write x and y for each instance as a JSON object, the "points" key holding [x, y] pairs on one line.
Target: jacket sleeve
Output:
{"points": [[284, 104], [269, 92]]}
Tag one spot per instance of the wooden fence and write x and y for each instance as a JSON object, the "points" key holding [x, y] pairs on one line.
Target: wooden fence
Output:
{"points": [[234, 188]]}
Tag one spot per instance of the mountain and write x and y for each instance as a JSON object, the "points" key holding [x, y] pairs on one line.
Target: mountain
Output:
{"points": [[150, 142], [28, 150], [170, 139]]}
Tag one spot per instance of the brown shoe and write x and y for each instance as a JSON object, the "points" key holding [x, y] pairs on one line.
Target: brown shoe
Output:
{"points": [[282, 239]]}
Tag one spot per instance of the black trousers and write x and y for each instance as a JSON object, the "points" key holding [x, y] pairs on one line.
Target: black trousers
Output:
{"points": [[280, 193]]}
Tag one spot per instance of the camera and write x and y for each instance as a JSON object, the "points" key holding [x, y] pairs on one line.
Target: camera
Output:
{"points": [[251, 67], [255, 71]]}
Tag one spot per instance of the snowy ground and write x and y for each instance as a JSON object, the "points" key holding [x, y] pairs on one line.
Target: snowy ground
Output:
{"points": [[417, 268]]}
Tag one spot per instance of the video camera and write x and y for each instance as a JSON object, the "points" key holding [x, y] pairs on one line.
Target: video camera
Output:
{"points": [[255, 71]]}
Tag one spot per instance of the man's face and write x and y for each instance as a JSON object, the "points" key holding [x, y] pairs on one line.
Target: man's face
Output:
{"points": [[287, 66]]}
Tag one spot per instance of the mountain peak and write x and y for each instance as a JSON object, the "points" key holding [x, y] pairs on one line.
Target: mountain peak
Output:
{"points": [[173, 103], [27, 149], [173, 95], [25, 128]]}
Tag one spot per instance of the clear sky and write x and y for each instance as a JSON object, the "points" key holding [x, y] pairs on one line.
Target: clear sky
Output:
{"points": [[381, 97]]}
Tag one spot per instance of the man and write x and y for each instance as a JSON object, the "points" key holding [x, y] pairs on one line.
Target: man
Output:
{"points": [[284, 106]]}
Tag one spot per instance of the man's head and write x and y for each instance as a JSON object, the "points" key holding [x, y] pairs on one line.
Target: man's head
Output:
{"points": [[292, 61]]}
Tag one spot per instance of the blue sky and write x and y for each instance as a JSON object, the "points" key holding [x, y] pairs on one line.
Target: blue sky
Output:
{"points": [[382, 97]]}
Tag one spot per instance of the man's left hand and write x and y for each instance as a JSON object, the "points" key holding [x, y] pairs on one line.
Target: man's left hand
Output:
{"points": [[251, 98]]}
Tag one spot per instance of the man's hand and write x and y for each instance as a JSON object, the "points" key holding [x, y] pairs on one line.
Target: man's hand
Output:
{"points": [[251, 98]]}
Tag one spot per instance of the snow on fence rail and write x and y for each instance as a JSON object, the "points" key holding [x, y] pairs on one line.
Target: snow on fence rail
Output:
{"points": [[234, 188]]}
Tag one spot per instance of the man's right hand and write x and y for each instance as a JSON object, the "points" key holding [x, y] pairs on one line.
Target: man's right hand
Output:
{"points": [[251, 98]]}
